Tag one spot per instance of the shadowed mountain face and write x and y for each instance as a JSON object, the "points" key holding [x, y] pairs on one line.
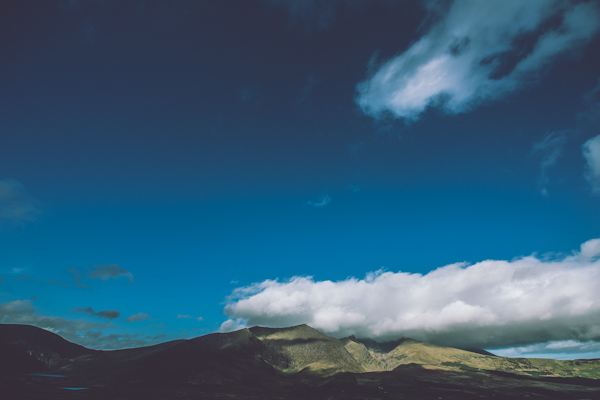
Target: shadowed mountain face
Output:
{"points": [[297, 362], [26, 348]]}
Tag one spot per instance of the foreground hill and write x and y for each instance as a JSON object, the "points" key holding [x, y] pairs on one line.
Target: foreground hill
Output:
{"points": [[293, 363], [26, 348]]}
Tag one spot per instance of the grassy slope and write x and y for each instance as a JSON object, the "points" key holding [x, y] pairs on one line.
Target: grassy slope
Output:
{"points": [[438, 357]]}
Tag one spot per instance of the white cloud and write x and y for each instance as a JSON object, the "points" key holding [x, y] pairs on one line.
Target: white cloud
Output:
{"points": [[186, 316], [321, 202], [550, 148], [590, 250], [16, 206], [479, 51], [563, 349], [490, 304], [591, 152]]}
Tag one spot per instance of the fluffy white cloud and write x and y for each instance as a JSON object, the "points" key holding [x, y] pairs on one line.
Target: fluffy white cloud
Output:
{"points": [[480, 50], [591, 152], [490, 304]]}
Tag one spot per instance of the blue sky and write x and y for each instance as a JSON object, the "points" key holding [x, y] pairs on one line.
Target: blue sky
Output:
{"points": [[171, 169]]}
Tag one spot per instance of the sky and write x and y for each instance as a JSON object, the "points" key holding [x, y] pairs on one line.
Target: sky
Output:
{"points": [[424, 169]]}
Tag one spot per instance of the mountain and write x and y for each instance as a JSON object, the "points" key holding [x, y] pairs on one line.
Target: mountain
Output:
{"points": [[26, 348], [375, 357], [293, 363], [302, 348]]}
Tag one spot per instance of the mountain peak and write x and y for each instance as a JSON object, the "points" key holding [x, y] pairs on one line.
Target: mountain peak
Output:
{"points": [[302, 331]]}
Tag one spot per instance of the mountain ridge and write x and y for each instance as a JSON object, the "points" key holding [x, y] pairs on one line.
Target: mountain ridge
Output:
{"points": [[276, 360]]}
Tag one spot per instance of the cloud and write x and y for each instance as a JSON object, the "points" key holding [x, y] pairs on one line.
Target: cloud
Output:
{"points": [[565, 349], [106, 272], [316, 15], [252, 94], [23, 312], [106, 314], [321, 202], [157, 337], [182, 316], [477, 52], [26, 278], [309, 86], [80, 331], [550, 148], [141, 316], [591, 153], [16, 206], [489, 304], [99, 272], [591, 113]]}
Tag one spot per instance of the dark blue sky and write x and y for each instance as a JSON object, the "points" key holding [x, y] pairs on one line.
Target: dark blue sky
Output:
{"points": [[156, 156]]}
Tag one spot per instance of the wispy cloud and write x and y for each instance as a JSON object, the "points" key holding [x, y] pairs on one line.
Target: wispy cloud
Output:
{"points": [[16, 206], [316, 15], [320, 202], [102, 272], [185, 316], [591, 153], [141, 316], [591, 112], [479, 51], [105, 314], [23, 312], [252, 94], [79, 331], [550, 148], [565, 349], [309, 86], [106, 272], [490, 304]]}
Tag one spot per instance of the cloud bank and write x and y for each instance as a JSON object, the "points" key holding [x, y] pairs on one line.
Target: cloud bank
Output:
{"points": [[479, 51], [80, 331], [489, 304], [591, 153]]}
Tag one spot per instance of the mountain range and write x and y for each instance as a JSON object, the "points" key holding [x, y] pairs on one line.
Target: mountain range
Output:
{"points": [[279, 363]]}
